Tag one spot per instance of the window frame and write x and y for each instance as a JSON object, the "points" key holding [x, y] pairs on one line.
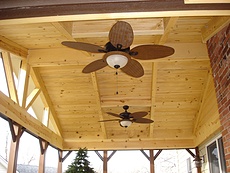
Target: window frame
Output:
{"points": [[221, 164]]}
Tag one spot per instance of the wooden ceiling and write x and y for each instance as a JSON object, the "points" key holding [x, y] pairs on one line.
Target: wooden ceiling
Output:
{"points": [[176, 91]]}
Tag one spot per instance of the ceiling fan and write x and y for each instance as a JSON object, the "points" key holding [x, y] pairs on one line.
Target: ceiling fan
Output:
{"points": [[117, 52], [127, 118]]}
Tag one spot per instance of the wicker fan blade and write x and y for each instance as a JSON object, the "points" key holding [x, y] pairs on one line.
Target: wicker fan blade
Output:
{"points": [[113, 114], [133, 68], [146, 52], [83, 46], [109, 120], [94, 66], [137, 115], [142, 120], [121, 34]]}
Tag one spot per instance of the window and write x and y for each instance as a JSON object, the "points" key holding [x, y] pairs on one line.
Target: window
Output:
{"points": [[189, 165], [216, 158]]}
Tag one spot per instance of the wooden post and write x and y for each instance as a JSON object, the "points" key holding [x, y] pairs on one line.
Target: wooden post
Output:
{"points": [[151, 158], [61, 160], [43, 147], [198, 156], [105, 159], [59, 169], [16, 132], [105, 162]]}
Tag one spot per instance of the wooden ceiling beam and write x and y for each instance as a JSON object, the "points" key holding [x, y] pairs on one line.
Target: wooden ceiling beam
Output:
{"points": [[201, 101], [113, 15], [121, 144], [214, 26], [168, 27], [65, 28], [20, 115], [205, 1], [153, 96], [46, 99], [12, 47], [15, 10], [98, 101], [54, 57], [134, 101]]}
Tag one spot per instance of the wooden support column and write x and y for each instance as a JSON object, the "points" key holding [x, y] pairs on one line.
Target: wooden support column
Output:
{"points": [[198, 158], [105, 159], [43, 147], [151, 158], [61, 160], [16, 132], [59, 170]]}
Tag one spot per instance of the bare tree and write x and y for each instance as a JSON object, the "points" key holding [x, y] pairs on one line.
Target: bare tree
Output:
{"points": [[6, 146]]}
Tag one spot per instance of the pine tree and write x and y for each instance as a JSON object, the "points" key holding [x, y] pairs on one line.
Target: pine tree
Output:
{"points": [[80, 164]]}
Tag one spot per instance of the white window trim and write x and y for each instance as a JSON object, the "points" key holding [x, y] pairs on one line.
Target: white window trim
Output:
{"points": [[214, 139]]}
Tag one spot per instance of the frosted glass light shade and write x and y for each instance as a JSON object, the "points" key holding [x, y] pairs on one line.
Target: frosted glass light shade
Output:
{"points": [[116, 60], [125, 123]]}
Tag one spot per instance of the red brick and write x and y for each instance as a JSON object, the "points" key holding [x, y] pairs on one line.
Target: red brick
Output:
{"points": [[219, 54]]}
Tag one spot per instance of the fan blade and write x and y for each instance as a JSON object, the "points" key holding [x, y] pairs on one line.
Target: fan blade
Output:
{"points": [[84, 46], [133, 68], [142, 120], [137, 115], [113, 114], [94, 66], [109, 120], [121, 35], [146, 52]]}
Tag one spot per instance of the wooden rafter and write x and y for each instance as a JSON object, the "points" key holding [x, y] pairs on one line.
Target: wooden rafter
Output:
{"points": [[98, 101], [214, 26], [168, 27], [13, 47], [10, 76], [205, 92], [23, 82], [45, 116], [46, 99], [32, 97], [65, 28], [153, 96]]}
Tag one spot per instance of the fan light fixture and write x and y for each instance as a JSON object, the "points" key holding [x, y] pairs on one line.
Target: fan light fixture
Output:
{"points": [[117, 60], [125, 123]]}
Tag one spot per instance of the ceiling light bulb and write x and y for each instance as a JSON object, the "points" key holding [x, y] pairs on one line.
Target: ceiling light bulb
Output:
{"points": [[116, 60], [125, 123]]}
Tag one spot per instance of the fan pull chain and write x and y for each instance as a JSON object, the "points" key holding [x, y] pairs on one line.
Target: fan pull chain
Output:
{"points": [[117, 81]]}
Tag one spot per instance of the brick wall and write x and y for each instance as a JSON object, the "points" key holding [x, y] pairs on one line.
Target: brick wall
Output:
{"points": [[219, 54]]}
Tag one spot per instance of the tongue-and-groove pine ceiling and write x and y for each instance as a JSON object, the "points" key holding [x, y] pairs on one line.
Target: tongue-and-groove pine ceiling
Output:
{"points": [[177, 91]]}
